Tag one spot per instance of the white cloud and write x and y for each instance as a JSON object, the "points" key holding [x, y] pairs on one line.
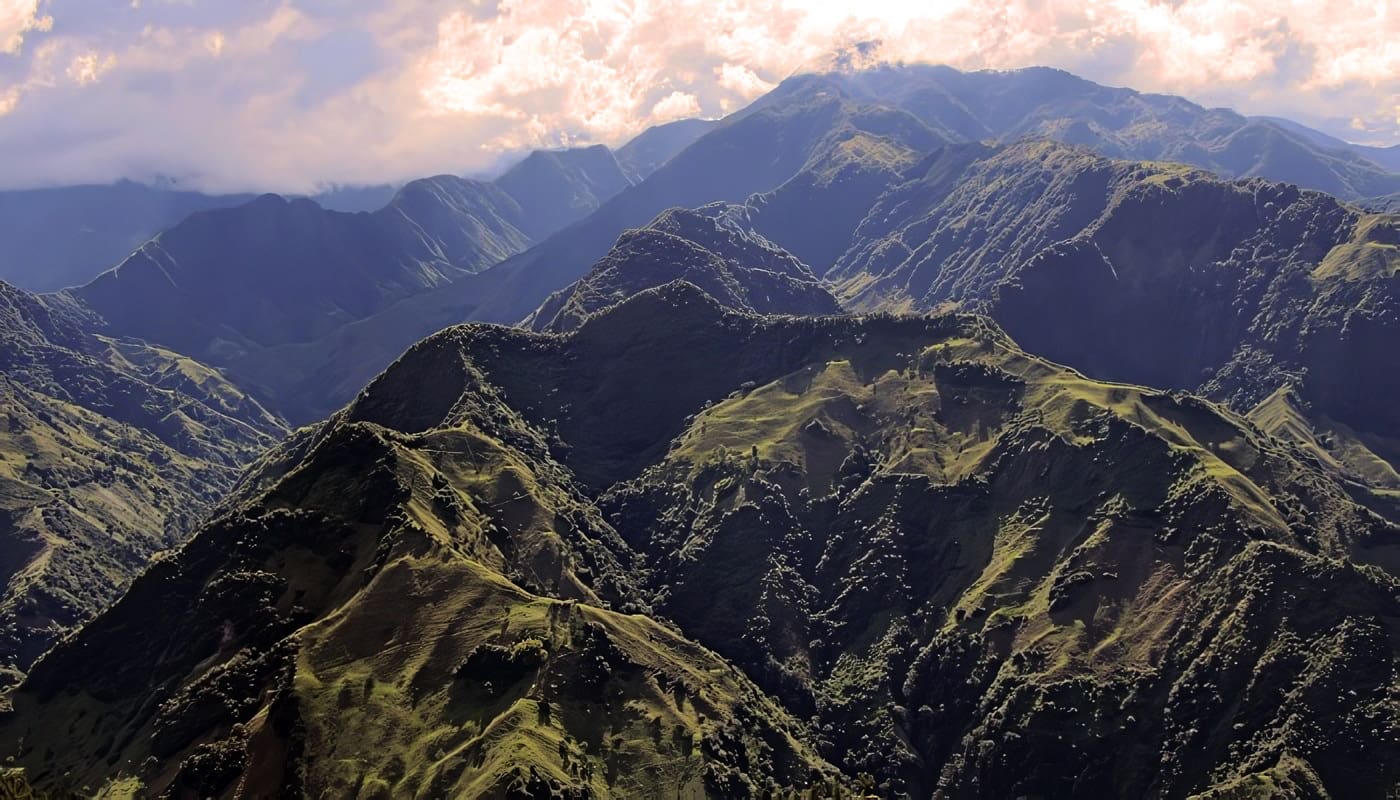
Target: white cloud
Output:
{"points": [[18, 17], [676, 105], [286, 95], [88, 67]]}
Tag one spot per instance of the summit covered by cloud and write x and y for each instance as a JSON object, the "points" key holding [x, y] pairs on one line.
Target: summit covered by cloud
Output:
{"points": [[294, 95]]}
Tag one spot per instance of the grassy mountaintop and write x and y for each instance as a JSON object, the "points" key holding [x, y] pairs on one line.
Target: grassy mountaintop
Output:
{"points": [[403, 603], [110, 450], [949, 556], [713, 247]]}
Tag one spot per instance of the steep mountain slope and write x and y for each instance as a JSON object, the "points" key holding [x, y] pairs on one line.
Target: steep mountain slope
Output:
{"points": [[984, 573], [411, 600], [980, 573], [64, 236], [714, 248], [1151, 273], [109, 451], [1335, 445]]}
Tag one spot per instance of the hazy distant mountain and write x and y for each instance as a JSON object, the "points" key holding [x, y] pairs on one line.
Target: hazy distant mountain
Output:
{"points": [[649, 150], [272, 270], [1122, 123], [714, 248], [808, 132], [355, 198], [228, 283], [110, 450], [64, 236], [52, 238], [1388, 157], [557, 187], [809, 160], [957, 564]]}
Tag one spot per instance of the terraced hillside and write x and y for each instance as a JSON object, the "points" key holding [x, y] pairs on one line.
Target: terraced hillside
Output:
{"points": [[949, 557], [110, 450]]}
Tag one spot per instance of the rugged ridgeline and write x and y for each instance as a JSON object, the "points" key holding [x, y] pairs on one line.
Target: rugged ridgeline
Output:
{"points": [[809, 159], [1122, 123], [413, 598], [976, 573], [714, 248], [806, 133], [109, 451], [1152, 273]]}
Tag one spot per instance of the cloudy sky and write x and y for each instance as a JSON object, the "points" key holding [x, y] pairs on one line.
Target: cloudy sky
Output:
{"points": [[290, 95]]}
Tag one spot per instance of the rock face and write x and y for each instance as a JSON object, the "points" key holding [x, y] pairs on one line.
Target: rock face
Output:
{"points": [[714, 248], [110, 450], [972, 571]]}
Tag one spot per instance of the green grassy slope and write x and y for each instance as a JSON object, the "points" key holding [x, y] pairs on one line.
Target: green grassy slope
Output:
{"points": [[109, 452], [400, 613], [1146, 272]]}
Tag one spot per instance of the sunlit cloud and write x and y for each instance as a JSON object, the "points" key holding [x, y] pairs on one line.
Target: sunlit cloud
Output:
{"points": [[88, 67], [293, 94], [18, 17]]}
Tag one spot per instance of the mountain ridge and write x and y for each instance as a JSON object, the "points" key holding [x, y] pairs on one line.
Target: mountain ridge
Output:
{"points": [[789, 472]]}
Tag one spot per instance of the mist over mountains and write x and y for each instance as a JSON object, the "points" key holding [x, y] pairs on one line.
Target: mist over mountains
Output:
{"points": [[907, 433]]}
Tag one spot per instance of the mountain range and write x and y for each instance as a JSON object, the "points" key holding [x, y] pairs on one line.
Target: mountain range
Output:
{"points": [[444, 589], [818, 147], [910, 432]]}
